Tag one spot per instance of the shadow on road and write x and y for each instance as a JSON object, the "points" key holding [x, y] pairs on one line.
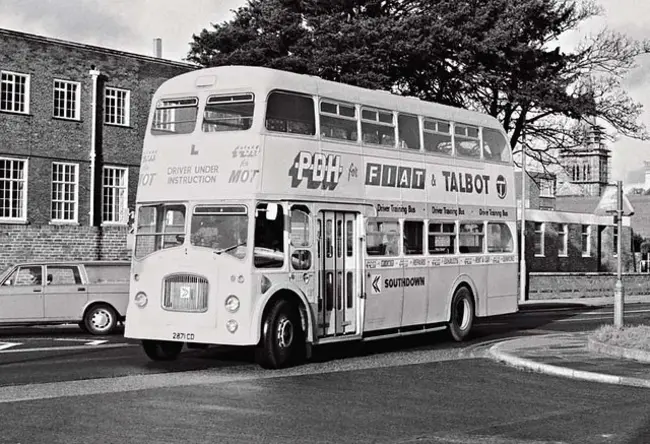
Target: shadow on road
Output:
{"points": [[530, 318]]}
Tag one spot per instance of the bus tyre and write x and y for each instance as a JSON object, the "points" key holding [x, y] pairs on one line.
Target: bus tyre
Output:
{"points": [[162, 350], [100, 319], [462, 314], [283, 341]]}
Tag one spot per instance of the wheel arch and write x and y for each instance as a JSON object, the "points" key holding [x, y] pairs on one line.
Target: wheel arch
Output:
{"points": [[463, 281], [289, 293], [90, 305]]}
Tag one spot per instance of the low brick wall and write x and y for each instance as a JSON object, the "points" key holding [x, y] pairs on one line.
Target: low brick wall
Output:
{"points": [[21, 243], [543, 286]]}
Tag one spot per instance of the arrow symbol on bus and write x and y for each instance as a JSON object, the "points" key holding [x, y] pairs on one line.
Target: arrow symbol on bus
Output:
{"points": [[375, 284]]}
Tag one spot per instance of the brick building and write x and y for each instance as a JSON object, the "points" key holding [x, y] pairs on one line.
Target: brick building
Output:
{"points": [[563, 234], [72, 122]]}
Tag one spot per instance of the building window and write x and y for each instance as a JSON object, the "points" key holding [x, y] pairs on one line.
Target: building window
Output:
{"points": [[13, 189], [64, 192], [563, 240], [547, 188], [586, 240], [115, 195], [14, 92], [117, 103], [66, 99], [539, 239]]}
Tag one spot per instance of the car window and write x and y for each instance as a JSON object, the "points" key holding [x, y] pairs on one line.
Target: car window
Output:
{"points": [[25, 276], [63, 275], [107, 273]]}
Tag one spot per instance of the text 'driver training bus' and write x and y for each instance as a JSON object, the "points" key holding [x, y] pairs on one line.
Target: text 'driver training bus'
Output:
{"points": [[282, 211]]}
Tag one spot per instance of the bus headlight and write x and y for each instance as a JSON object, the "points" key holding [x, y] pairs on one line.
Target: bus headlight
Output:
{"points": [[140, 299], [232, 325], [232, 303]]}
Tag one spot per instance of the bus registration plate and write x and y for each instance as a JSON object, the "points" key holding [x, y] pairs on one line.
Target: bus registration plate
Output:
{"points": [[183, 336]]}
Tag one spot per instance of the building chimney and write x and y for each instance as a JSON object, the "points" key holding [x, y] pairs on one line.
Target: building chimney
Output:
{"points": [[157, 48]]}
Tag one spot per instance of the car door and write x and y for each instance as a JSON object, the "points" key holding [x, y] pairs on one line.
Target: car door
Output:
{"points": [[65, 293], [21, 295]]}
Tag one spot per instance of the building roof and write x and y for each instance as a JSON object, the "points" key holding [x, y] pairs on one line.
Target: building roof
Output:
{"points": [[640, 220], [99, 49]]}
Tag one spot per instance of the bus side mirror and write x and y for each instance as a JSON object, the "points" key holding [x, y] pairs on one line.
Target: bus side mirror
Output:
{"points": [[271, 211]]}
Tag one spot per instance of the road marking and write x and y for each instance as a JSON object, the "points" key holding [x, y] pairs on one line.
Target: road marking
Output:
{"points": [[71, 347], [85, 340], [6, 345]]}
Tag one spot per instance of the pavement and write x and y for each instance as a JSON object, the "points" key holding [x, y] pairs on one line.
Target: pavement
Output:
{"points": [[575, 355]]}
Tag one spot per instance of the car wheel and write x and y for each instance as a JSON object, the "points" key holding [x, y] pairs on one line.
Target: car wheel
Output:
{"points": [[100, 319]]}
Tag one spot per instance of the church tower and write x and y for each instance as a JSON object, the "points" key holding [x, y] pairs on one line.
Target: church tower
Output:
{"points": [[588, 166]]}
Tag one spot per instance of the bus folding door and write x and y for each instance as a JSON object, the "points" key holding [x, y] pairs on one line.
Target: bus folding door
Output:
{"points": [[339, 273]]}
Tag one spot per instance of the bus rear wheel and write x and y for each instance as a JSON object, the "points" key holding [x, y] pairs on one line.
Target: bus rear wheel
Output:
{"points": [[283, 340], [162, 350], [462, 314]]}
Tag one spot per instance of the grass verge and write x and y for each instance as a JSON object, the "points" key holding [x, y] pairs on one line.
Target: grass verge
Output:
{"points": [[634, 336]]}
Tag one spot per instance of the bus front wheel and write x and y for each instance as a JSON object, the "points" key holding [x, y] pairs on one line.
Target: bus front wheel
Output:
{"points": [[282, 337], [462, 314], [162, 350]]}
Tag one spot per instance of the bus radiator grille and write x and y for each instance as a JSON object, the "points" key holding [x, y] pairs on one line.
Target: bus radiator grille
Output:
{"points": [[185, 292]]}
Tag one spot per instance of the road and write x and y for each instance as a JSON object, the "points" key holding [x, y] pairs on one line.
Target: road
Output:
{"points": [[58, 385]]}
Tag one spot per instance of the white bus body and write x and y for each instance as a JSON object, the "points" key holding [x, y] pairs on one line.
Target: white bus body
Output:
{"points": [[280, 210]]}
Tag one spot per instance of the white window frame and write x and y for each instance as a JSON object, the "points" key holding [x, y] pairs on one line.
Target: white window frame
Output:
{"points": [[542, 233], [111, 93], [563, 247], [123, 212], [75, 201], [586, 233], [26, 102], [25, 181], [62, 86], [378, 122], [546, 188]]}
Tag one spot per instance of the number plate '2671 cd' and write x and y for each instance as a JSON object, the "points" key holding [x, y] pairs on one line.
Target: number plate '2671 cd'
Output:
{"points": [[183, 336]]}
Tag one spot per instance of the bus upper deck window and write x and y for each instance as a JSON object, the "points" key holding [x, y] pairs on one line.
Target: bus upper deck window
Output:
{"points": [[175, 116], [229, 113], [495, 146], [290, 113], [466, 141]]}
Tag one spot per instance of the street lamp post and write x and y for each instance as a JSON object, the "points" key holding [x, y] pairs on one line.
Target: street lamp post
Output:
{"points": [[618, 287], [522, 255]]}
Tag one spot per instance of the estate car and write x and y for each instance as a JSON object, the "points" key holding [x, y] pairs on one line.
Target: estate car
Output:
{"points": [[93, 294]]}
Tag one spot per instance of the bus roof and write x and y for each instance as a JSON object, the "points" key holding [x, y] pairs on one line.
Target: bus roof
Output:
{"points": [[261, 80]]}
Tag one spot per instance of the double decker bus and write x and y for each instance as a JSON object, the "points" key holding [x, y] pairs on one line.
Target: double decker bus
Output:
{"points": [[283, 211]]}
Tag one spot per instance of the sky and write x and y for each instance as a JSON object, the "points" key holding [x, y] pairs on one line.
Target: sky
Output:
{"points": [[131, 25]]}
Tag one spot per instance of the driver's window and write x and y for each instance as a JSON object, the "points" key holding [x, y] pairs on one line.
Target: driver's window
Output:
{"points": [[269, 236], [300, 238], [26, 276]]}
